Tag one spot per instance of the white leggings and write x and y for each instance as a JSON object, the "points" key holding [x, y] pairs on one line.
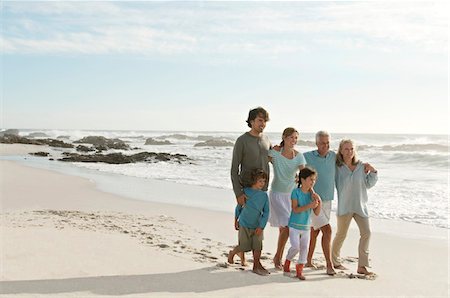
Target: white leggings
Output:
{"points": [[299, 244]]}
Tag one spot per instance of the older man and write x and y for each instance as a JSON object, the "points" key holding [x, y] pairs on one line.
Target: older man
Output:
{"points": [[324, 162]]}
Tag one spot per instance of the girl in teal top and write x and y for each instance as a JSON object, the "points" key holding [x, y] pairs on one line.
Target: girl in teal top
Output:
{"points": [[304, 199]]}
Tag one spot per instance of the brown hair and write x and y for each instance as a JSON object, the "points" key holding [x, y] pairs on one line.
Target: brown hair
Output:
{"points": [[286, 133], [257, 174], [305, 173], [259, 111]]}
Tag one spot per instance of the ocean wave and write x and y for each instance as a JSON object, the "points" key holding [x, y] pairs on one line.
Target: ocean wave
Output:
{"points": [[408, 147], [179, 136], [432, 160]]}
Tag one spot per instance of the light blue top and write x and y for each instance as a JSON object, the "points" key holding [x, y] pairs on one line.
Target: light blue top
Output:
{"points": [[326, 169], [352, 189], [284, 170], [255, 213], [301, 220]]}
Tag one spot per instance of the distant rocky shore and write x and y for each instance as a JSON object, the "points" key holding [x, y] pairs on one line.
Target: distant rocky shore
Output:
{"points": [[97, 144]]}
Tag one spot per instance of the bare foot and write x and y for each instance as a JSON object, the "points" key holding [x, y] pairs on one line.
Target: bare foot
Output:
{"points": [[231, 257], [340, 267], [363, 270], [310, 265], [301, 277], [242, 257], [277, 264], [330, 271], [261, 271]]}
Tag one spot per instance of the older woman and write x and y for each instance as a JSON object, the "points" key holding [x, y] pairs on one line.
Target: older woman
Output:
{"points": [[353, 178]]}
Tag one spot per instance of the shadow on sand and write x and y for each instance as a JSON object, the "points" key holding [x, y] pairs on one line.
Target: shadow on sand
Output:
{"points": [[196, 281]]}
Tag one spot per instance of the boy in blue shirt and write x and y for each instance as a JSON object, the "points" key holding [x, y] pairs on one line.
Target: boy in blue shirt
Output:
{"points": [[251, 221]]}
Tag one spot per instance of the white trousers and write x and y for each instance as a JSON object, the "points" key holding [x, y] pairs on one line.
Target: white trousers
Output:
{"points": [[299, 244]]}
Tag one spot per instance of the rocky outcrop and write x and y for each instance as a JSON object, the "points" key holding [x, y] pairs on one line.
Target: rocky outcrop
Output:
{"points": [[83, 148], [14, 139], [37, 135], [306, 143], [119, 158], [40, 153], [102, 143], [215, 143], [151, 141], [55, 143], [9, 132]]}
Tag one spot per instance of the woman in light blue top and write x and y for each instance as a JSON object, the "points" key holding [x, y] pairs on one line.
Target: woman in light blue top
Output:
{"points": [[353, 178], [286, 162]]}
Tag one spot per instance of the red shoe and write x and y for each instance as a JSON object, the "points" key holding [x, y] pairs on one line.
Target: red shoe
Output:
{"points": [[299, 269], [287, 265]]}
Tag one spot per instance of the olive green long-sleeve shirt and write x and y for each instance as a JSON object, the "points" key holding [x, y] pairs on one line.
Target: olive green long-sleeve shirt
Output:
{"points": [[249, 153]]}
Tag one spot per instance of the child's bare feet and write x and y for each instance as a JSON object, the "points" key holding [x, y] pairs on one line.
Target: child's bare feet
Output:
{"points": [[242, 257], [231, 257], [277, 264], [363, 270], [311, 265]]}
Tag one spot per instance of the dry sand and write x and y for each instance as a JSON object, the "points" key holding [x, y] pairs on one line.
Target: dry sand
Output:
{"points": [[62, 237]]}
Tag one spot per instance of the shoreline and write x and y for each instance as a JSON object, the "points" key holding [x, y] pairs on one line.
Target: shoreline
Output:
{"points": [[143, 189], [61, 235]]}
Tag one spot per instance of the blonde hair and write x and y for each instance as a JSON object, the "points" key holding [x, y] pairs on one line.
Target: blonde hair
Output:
{"points": [[286, 133], [340, 158]]}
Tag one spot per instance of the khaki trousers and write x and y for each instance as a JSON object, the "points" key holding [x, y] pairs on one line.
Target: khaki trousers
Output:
{"points": [[343, 223]]}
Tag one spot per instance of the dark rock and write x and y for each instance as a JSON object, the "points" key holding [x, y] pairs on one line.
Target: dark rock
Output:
{"points": [[15, 139], [9, 132], [63, 137], [101, 148], [119, 158], [215, 143], [83, 148], [306, 143], [40, 153], [37, 135], [104, 143], [151, 141], [55, 143]]}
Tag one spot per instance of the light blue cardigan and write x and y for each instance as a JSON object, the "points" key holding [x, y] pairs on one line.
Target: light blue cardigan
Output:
{"points": [[352, 189]]}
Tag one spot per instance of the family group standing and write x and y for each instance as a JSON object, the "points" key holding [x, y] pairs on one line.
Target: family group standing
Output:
{"points": [[300, 213]]}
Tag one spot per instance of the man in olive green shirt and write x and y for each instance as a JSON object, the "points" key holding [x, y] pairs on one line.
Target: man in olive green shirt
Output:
{"points": [[251, 151]]}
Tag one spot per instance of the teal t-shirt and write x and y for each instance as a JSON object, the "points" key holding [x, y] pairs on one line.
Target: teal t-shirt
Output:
{"points": [[301, 220], [255, 213], [284, 171], [326, 169]]}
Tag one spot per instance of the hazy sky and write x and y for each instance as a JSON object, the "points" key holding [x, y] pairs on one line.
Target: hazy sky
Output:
{"points": [[370, 67]]}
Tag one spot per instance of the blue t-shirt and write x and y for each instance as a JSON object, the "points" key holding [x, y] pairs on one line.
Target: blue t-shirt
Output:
{"points": [[284, 171], [255, 213], [301, 220], [326, 169]]}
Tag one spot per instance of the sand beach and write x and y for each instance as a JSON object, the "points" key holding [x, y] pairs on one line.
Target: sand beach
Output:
{"points": [[63, 237]]}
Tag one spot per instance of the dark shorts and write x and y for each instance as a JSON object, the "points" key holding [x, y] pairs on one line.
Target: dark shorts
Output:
{"points": [[248, 240]]}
